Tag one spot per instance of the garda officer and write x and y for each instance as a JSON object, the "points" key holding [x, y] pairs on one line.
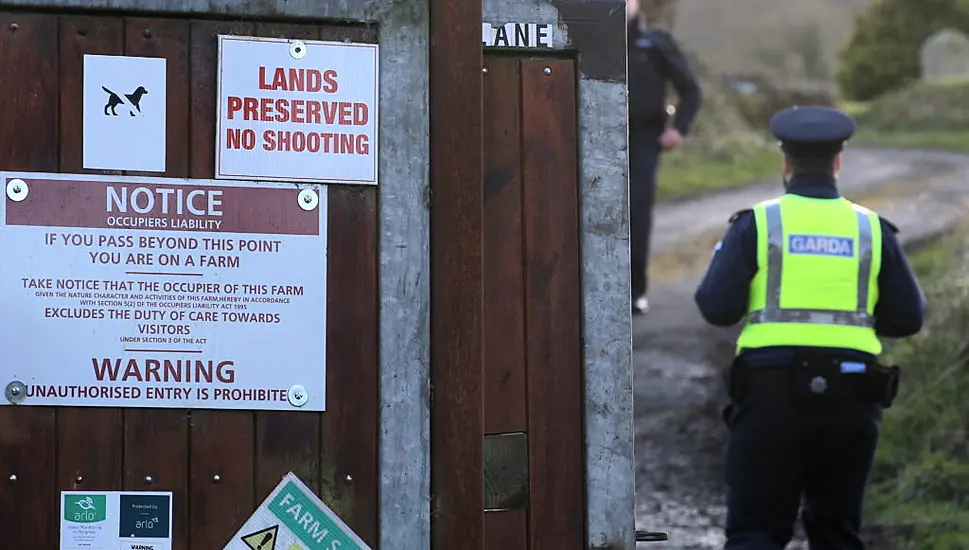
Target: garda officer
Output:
{"points": [[654, 60], [818, 279]]}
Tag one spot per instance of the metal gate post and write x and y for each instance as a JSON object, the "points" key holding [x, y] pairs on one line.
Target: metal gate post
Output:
{"points": [[596, 32]]}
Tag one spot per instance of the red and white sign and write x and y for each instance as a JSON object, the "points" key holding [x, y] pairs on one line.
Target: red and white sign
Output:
{"points": [[294, 110], [123, 291]]}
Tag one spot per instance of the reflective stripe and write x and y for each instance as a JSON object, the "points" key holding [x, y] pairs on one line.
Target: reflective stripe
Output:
{"points": [[813, 316], [773, 313]]}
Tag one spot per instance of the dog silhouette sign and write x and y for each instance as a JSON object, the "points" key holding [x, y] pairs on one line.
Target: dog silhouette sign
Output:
{"points": [[133, 101], [125, 112]]}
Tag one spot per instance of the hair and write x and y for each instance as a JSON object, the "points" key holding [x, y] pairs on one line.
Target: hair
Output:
{"points": [[812, 165]]}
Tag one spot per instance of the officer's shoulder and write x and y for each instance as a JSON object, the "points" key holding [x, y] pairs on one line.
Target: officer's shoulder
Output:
{"points": [[739, 214], [887, 223]]}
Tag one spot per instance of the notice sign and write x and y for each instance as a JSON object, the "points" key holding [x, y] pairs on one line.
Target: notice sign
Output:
{"points": [[293, 518], [292, 110], [115, 520], [162, 293]]}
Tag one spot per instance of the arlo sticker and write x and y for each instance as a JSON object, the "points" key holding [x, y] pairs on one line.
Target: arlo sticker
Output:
{"points": [[85, 508]]}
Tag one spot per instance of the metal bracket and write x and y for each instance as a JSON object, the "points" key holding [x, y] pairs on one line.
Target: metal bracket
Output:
{"points": [[651, 536]]}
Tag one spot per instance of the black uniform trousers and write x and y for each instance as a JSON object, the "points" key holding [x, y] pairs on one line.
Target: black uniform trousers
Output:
{"points": [[644, 154], [781, 448]]}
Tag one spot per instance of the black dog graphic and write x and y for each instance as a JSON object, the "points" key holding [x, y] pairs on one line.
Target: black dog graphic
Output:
{"points": [[114, 100]]}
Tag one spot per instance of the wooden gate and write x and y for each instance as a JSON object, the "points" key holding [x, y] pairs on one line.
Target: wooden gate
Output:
{"points": [[534, 483], [219, 464]]}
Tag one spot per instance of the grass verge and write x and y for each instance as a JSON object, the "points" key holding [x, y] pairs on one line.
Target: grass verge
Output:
{"points": [[920, 485], [690, 171], [924, 116]]}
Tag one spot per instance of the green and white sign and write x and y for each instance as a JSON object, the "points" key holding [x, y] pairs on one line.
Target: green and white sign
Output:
{"points": [[293, 518], [112, 520]]}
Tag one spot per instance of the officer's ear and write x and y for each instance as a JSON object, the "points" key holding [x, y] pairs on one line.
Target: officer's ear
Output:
{"points": [[787, 166], [837, 164]]}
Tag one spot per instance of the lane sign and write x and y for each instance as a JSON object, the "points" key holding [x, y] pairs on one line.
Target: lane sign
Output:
{"points": [[517, 35]]}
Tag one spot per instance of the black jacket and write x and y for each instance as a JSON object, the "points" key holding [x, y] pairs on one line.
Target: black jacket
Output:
{"points": [[654, 60]]}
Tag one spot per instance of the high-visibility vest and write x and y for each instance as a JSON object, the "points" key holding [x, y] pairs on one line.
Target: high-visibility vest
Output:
{"points": [[817, 275]]}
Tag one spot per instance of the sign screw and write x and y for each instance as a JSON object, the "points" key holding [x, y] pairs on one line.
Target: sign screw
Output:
{"points": [[149, 480], [216, 478], [308, 200], [297, 49], [349, 478], [17, 190], [79, 479], [14, 27], [147, 33], [15, 392], [547, 71], [484, 70], [13, 478], [297, 396]]}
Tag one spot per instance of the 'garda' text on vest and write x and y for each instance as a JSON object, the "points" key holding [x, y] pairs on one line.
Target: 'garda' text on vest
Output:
{"points": [[821, 245]]}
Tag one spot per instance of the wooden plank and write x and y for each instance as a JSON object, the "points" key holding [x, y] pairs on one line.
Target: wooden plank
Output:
{"points": [[504, 307], [78, 36], [287, 441], [28, 91], [81, 465], [456, 274], [156, 441], [350, 424], [221, 489], [167, 38], [506, 530], [204, 63], [553, 305], [349, 472]]}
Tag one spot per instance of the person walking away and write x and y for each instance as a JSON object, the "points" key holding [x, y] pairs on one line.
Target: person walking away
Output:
{"points": [[819, 280], [654, 60]]}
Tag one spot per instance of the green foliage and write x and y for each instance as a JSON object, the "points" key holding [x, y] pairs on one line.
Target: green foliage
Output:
{"points": [[920, 485], [883, 52], [925, 116], [927, 106]]}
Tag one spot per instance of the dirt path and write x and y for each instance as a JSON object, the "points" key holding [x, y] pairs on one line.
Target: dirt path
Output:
{"points": [[679, 393]]}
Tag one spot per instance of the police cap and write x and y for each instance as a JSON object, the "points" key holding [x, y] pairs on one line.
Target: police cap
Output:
{"points": [[812, 132]]}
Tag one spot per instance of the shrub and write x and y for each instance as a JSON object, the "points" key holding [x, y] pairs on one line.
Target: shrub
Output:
{"points": [[920, 485], [925, 107], [883, 52]]}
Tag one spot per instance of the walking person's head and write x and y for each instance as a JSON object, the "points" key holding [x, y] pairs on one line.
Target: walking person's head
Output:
{"points": [[812, 139], [634, 9]]}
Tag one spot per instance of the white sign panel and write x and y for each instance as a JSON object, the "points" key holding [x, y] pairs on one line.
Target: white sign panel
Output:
{"points": [[113, 520], [292, 110], [293, 518], [124, 113], [162, 293], [516, 35]]}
